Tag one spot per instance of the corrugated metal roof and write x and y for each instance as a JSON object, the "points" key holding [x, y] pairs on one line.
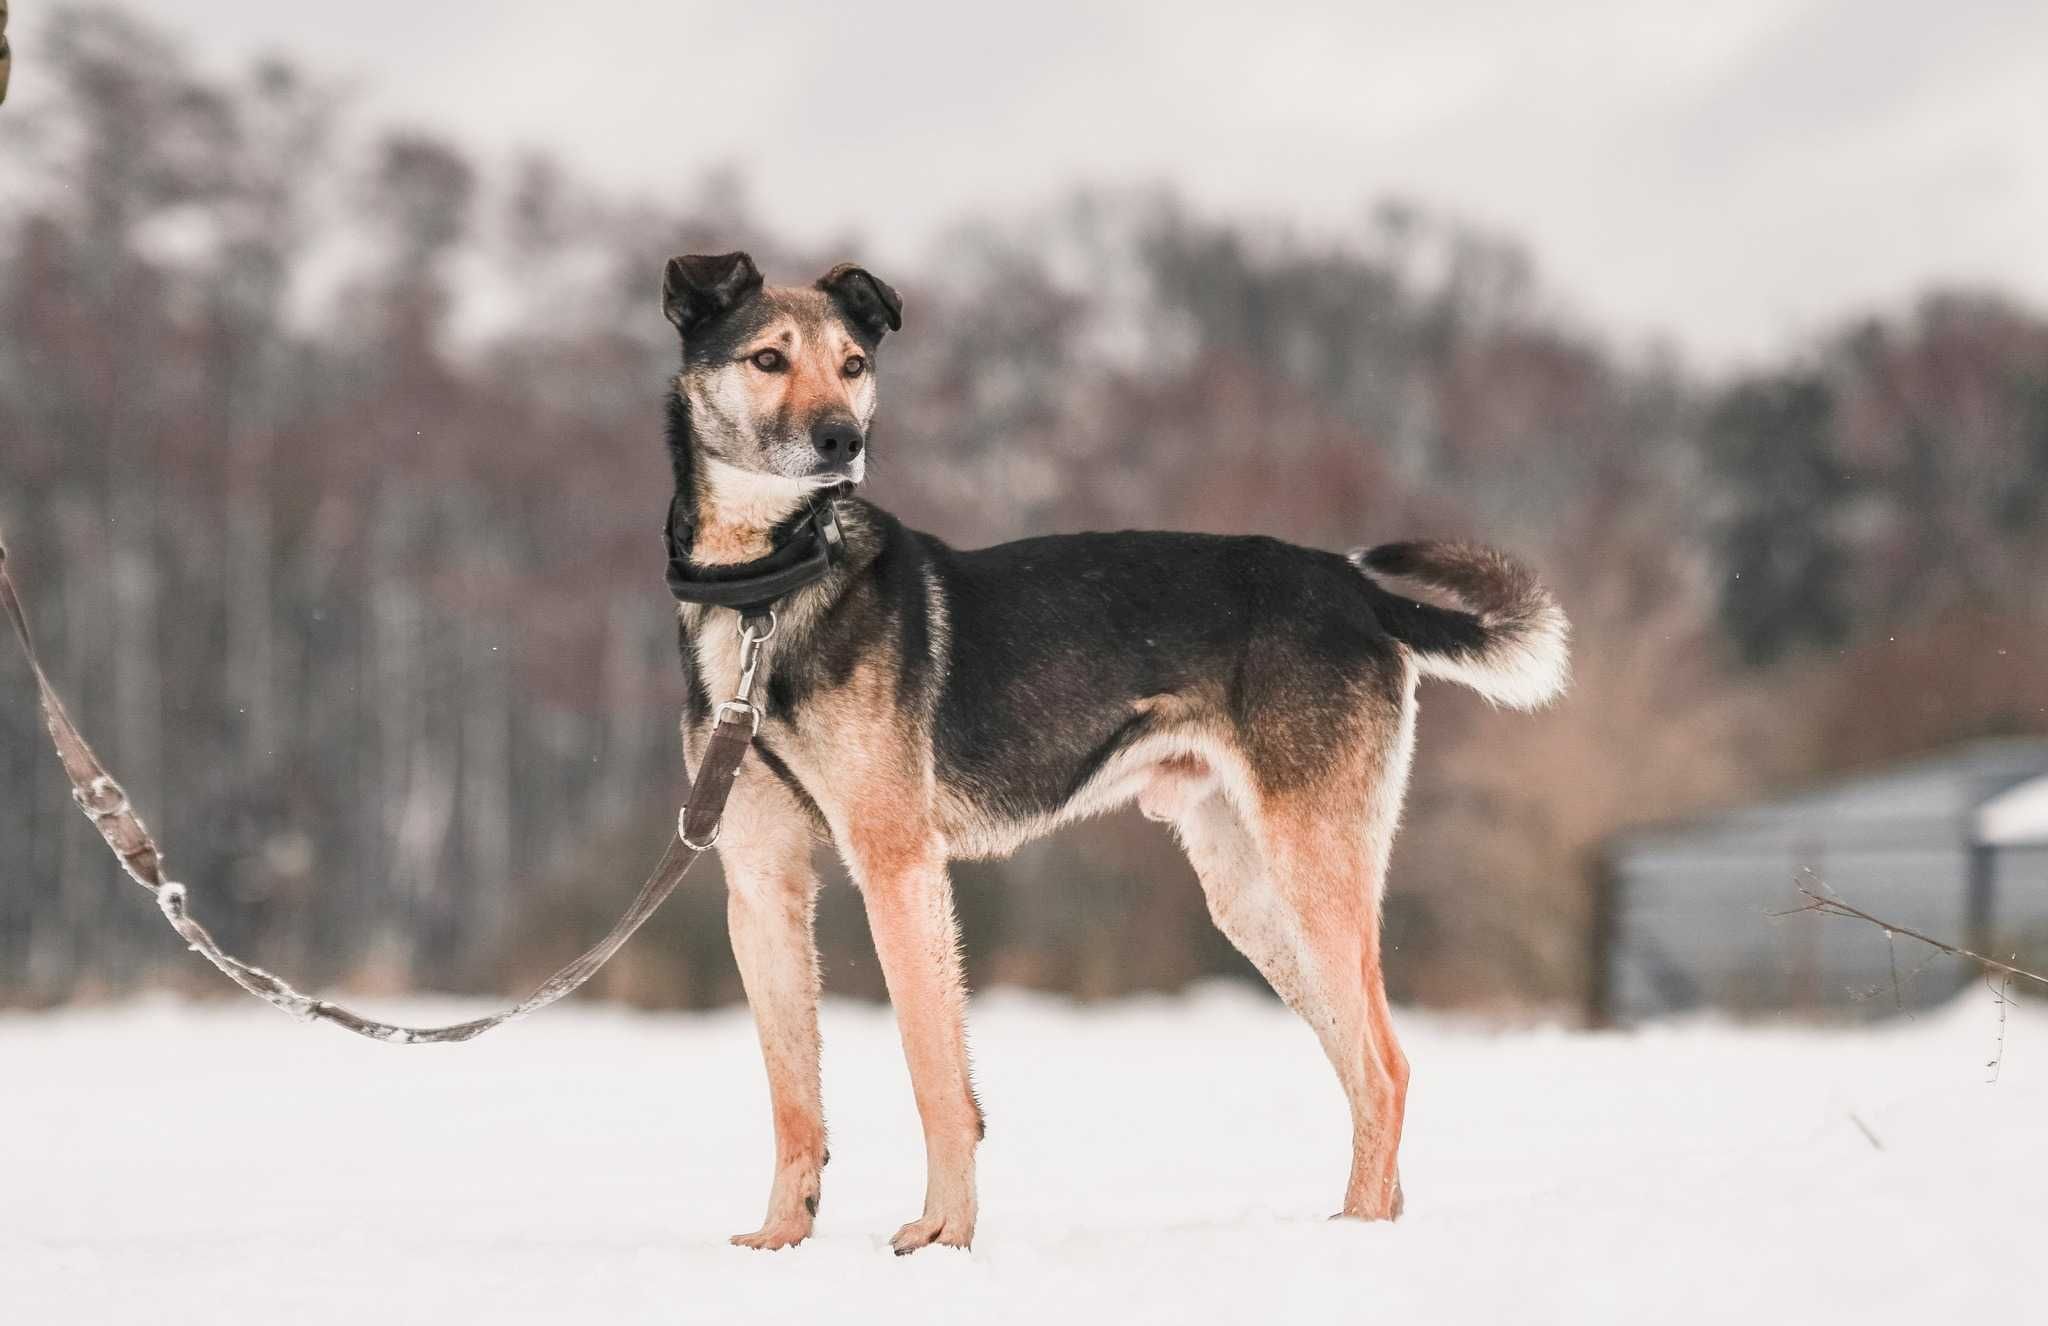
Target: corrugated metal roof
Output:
{"points": [[1922, 803]]}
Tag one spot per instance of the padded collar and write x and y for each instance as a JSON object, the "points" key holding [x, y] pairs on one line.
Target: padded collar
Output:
{"points": [[803, 556]]}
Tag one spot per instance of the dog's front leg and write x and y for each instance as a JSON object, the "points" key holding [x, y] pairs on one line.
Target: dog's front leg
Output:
{"points": [[910, 910], [765, 847]]}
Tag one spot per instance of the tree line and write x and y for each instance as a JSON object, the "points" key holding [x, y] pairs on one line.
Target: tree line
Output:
{"points": [[333, 463]]}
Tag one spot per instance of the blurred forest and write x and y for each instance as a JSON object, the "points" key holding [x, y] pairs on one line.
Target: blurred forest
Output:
{"points": [[332, 464]]}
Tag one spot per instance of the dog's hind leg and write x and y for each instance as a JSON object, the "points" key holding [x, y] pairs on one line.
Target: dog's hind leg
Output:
{"points": [[1299, 899], [1380, 1031], [1326, 870], [1236, 884], [765, 847]]}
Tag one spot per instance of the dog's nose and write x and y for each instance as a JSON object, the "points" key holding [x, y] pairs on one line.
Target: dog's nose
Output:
{"points": [[837, 443]]}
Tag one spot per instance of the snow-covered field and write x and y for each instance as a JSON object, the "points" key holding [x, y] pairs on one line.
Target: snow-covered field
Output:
{"points": [[1165, 1161]]}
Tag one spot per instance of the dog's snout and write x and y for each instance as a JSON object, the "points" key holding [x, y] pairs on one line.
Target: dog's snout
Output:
{"points": [[837, 442]]}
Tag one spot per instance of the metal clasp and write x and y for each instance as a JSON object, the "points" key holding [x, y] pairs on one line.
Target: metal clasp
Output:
{"points": [[750, 664]]}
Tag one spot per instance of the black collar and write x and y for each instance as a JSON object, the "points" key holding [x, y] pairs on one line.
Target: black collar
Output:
{"points": [[804, 555]]}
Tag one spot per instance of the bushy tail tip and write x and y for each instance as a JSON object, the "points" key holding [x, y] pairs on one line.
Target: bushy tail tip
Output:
{"points": [[1508, 640]]}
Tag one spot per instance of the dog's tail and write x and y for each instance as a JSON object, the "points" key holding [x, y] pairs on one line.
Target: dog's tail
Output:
{"points": [[1510, 642]]}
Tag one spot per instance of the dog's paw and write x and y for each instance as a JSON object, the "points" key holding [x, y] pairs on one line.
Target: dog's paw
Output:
{"points": [[786, 1233], [1388, 1207], [1373, 1198], [929, 1230]]}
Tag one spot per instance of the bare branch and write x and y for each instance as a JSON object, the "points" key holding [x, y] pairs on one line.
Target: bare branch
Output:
{"points": [[1900, 984], [1825, 905]]}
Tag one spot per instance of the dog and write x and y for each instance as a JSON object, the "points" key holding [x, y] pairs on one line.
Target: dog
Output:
{"points": [[925, 703]]}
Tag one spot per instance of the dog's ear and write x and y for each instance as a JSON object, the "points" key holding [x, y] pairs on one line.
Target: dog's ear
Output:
{"points": [[697, 287], [871, 303]]}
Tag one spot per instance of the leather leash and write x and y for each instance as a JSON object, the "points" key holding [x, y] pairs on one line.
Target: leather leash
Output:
{"points": [[107, 806]]}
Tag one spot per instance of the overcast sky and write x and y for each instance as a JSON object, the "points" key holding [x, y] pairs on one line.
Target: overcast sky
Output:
{"points": [[1728, 174]]}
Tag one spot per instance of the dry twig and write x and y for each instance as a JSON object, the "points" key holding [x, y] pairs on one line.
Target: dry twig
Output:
{"points": [[1822, 904], [1825, 905], [2002, 992], [1864, 1128]]}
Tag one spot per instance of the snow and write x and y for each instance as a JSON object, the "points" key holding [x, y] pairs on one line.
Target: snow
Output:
{"points": [[2016, 817], [1155, 1160]]}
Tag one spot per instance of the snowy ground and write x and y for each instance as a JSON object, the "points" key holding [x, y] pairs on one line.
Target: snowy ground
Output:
{"points": [[1165, 1161]]}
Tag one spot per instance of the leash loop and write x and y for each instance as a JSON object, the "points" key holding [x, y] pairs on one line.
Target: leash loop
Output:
{"points": [[683, 833], [102, 789]]}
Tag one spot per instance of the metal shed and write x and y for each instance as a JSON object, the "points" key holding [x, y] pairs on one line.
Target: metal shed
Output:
{"points": [[1954, 844]]}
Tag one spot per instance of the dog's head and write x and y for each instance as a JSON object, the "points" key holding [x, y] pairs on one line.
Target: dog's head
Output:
{"points": [[780, 380]]}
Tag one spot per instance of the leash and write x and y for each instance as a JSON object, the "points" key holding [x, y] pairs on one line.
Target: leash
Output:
{"points": [[106, 804]]}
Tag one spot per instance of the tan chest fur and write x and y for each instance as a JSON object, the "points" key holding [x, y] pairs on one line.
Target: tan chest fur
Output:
{"points": [[715, 642]]}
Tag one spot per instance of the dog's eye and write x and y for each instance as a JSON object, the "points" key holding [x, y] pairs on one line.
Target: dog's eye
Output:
{"points": [[768, 361], [855, 366]]}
